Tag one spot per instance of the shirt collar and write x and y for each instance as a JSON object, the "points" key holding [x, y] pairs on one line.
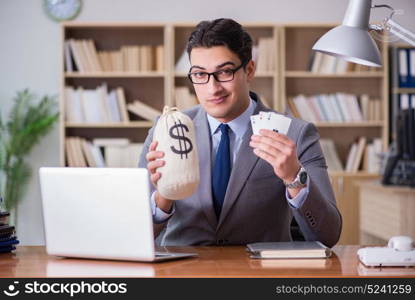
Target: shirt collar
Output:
{"points": [[237, 125]]}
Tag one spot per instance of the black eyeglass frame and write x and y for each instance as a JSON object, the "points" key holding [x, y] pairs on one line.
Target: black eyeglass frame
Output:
{"points": [[214, 74]]}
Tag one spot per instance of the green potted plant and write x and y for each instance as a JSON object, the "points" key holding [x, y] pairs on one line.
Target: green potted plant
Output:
{"points": [[28, 123]]}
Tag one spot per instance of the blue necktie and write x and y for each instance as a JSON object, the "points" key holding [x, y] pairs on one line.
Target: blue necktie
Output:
{"points": [[221, 170]]}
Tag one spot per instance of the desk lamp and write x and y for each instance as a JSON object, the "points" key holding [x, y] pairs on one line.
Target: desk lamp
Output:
{"points": [[351, 40]]}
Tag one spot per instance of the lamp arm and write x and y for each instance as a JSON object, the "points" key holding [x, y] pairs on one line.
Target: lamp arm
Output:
{"points": [[401, 32], [393, 27]]}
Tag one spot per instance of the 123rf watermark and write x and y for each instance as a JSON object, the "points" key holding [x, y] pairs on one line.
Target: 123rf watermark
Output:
{"points": [[64, 288]]}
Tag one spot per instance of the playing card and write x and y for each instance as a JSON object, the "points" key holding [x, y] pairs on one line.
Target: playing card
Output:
{"points": [[271, 121], [255, 124], [280, 123]]}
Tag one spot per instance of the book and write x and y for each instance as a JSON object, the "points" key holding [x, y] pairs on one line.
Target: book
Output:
{"points": [[97, 155], [122, 104], [86, 149], [86, 55], [73, 106], [93, 107], [330, 154], [294, 249], [372, 156], [403, 68], [292, 108], [159, 58], [68, 57], [76, 54], [359, 154], [123, 156], [351, 156], [316, 62], [70, 159], [265, 56], [102, 92], [114, 107], [102, 142], [4, 217], [94, 55], [143, 110], [80, 157]]}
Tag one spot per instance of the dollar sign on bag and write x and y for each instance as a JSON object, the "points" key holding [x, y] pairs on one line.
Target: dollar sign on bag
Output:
{"points": [[185, 144]]}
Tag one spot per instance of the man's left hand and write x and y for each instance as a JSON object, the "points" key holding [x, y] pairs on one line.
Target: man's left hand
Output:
{"points": [[279, 151]]}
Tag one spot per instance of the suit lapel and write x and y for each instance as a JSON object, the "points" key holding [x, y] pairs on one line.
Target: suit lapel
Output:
{"points": [[242, 167], [203, 142]]}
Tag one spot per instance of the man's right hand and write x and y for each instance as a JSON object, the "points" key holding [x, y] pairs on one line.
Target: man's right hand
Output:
{"points": [[154, 162]]}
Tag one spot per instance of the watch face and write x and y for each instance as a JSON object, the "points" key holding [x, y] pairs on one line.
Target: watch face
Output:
{"points": [[303, 177], [60, 10]]}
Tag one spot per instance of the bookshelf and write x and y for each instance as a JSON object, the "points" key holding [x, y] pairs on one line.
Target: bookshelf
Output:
{"points": [[298, 76], [286, 74], [402, 80], [155, 88], [148, 84]]}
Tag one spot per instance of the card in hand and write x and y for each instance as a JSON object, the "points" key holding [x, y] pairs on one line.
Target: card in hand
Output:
{"points": [[271, 121]]}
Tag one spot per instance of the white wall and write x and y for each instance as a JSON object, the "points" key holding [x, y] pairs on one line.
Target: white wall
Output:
{"points": [[29, 54]]}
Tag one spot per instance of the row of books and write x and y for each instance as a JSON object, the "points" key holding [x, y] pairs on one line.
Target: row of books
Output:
{"points": [[406, 101], [8, 238], [102, 152], [362, 156], [339, 107], [327, 64], [82, 56], [406, 67], [263, 54], [102, 105]]}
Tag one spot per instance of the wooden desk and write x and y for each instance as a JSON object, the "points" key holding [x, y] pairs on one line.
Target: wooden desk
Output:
{"points": [[231, 261]]}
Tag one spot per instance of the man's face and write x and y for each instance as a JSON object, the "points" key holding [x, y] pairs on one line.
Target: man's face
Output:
{"points": [[224, 101]]}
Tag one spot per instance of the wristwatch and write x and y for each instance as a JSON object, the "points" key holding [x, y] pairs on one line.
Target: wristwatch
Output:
{"points": [[299, 181]]}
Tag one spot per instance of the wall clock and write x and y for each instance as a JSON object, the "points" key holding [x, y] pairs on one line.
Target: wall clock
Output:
{"points": [[62, 10]]}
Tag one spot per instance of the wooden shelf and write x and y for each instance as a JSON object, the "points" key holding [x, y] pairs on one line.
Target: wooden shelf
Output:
{"points": [[114, 75], [350, 124], [404, 90], [290, 78], [307, 74], [131, 124]]}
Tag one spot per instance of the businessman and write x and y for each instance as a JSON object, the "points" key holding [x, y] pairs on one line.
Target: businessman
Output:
{"points": [[251, 186]]}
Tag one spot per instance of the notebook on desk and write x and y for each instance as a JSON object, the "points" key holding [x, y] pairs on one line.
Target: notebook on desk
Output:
{"points": [[294, 249], [101, 213]]}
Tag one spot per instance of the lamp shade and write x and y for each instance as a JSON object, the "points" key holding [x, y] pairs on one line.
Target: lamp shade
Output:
{"points": [[351, 41]]}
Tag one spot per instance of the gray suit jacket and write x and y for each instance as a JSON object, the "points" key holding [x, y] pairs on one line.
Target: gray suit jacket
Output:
{"points": [[255, 208]]}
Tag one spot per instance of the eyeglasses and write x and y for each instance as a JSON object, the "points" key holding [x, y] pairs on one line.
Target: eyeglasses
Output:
{"points": [[223, 75]]}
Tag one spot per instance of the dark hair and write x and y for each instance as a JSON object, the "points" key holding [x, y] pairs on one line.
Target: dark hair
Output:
{"points": [[222, 32]]}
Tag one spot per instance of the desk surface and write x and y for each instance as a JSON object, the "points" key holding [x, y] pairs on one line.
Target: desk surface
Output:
{"points": [[230, 261]]}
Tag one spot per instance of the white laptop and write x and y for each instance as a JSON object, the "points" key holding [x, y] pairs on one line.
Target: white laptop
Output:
{"points": [[100, 213]]}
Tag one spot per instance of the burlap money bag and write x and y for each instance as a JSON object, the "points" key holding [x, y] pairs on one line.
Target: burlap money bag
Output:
{"points": [[175, 135]]}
